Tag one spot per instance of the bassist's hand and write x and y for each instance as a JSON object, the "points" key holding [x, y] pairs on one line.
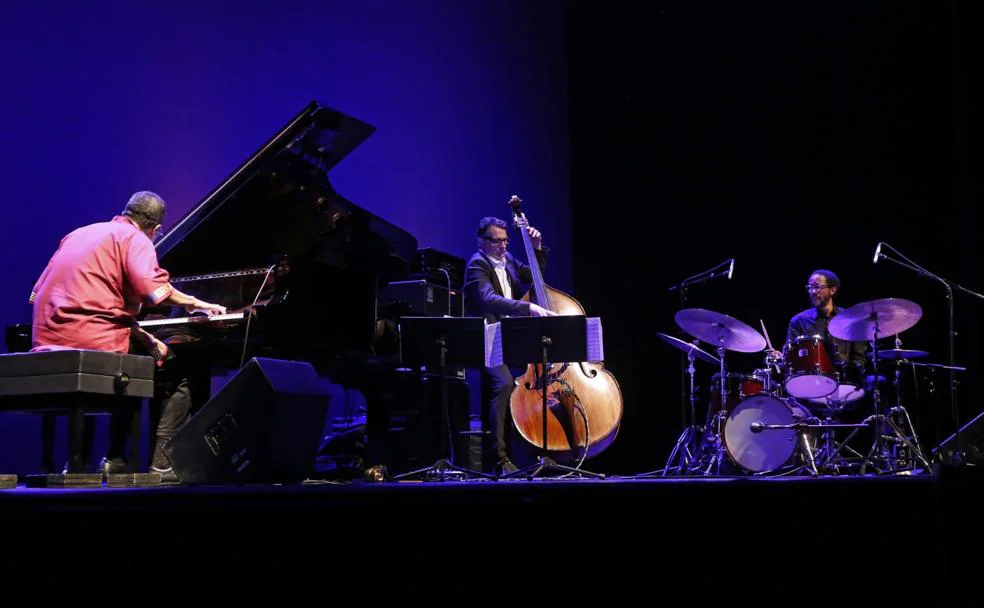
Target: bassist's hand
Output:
{"points": [[538, 311], [536, 237]]}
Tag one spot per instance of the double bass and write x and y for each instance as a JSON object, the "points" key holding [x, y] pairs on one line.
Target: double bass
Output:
{"points": [[584, 401]]}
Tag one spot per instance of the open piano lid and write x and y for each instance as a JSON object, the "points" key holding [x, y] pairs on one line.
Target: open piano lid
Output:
{"points": [[281, 202]]}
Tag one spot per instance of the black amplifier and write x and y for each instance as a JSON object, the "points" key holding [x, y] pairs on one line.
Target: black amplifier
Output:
{"points": [[419, 298]]}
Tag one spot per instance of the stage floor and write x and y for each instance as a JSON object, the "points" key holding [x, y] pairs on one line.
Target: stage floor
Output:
{"points": [[919, 535]]}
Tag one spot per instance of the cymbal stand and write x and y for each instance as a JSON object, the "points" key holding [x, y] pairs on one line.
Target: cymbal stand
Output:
{"points": [[687, 444], [899, 455], [716, 436], [700, 277], [879, 422]]}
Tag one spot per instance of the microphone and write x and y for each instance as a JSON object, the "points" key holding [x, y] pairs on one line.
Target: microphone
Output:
{"points": [[732, 268], [757, 427], [877, 253]]}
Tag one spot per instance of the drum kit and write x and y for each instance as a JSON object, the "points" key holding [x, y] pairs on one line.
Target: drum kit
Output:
{"points": [[783, 418]]}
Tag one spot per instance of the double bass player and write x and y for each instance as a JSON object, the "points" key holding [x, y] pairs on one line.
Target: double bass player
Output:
{"points": [[494, 283]]}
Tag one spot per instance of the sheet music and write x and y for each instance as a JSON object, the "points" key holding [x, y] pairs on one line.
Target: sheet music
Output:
{"points": [[493, 344], [596, 342]]}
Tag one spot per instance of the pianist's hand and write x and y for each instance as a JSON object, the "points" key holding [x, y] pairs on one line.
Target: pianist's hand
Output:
{"points": [[206, 307]]}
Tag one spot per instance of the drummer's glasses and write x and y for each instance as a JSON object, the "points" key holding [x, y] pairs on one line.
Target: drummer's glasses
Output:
{"points": [[816, 287]]}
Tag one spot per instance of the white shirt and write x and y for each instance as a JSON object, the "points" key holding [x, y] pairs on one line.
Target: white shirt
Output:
{"points": [[500, 271]]}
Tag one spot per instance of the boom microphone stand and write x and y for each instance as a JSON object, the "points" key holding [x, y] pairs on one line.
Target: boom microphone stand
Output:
{"points": [[948, 287]]}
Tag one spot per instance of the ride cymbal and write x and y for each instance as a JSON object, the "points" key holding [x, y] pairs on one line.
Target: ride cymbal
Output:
{"points": [[720, 330], [887, 317]]}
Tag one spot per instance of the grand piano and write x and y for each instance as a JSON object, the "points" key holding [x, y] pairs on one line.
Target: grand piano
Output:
{"points": [[297, 265], [300, 269]]}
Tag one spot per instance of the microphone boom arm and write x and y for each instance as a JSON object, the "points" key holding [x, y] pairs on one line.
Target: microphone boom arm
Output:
{"points": [[707, 275]]}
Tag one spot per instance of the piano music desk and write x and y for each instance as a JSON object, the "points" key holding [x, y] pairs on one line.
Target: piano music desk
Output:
{"points": [[75, 383]]}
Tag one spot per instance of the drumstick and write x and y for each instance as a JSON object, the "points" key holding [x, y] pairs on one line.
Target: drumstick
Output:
{"points": [[766, 332]]}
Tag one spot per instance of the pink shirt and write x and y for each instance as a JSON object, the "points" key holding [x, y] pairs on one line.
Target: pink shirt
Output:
{"points": [[93, 286]]}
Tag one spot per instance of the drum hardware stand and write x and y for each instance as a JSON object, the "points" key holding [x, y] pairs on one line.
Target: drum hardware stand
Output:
{"points": [[688, 439], [717, 423], [828, 456], [957, 456], [938, 454], [879, 421], [803, 440]]}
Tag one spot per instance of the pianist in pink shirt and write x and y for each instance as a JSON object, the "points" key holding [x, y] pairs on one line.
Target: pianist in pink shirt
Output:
{"points": [[94, 285], [88, 297]]}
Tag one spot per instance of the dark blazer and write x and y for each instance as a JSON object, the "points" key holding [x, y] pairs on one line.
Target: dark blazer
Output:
{"points": [[483, 294]]}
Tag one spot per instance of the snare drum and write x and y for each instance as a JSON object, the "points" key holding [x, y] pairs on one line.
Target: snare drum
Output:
{"points": [[850, 386], [809, 373], [764, 450]]}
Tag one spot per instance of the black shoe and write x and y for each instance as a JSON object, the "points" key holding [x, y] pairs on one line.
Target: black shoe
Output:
{"points": [[504, 467]]}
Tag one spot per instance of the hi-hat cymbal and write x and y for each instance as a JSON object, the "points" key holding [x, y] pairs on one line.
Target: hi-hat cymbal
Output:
{"points": [[687, 347], [888, 316], [898, 353], [720, 330]]}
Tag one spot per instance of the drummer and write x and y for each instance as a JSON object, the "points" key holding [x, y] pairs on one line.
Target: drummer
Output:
{"points": [[822, 288]]}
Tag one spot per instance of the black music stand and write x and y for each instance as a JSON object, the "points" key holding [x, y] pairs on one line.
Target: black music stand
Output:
{"points": [[545, 340], [442, 341]]}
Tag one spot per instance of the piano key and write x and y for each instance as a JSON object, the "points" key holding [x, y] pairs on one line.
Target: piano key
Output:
{"points": [[233, 316]]}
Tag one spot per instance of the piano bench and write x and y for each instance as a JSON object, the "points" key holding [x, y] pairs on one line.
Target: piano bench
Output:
{"points": [[75, 383]]}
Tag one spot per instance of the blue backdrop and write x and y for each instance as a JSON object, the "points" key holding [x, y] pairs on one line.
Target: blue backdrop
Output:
{"points": [[103, 99]]}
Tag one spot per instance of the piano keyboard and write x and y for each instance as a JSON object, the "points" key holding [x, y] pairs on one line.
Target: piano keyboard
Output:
{"points": [[193, 320]]}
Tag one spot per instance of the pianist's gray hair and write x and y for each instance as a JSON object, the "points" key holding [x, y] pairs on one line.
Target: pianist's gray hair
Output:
{"points": [[146, 209]]}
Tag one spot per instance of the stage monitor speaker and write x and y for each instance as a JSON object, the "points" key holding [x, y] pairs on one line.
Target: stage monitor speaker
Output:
{"points": [[263, 426], [971, 442]]}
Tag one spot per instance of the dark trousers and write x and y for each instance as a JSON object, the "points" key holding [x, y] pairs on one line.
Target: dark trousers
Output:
{"points": [[179, 385], [497, 387]]}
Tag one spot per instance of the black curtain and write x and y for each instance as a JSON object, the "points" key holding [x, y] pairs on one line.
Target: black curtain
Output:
{"points": [[791, 137]]}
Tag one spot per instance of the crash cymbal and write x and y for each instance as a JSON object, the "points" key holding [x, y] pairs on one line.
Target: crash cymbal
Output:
{"points": [[687, 347], [720, 330], [898, 353], [889, 316]]}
